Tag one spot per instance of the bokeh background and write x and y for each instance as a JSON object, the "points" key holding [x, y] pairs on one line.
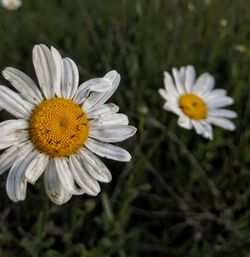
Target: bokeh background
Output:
{"points": [[181, 195]]}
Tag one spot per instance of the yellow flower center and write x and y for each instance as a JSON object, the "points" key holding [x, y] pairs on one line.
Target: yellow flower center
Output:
{"points": [[193, 106], [58, 127]]}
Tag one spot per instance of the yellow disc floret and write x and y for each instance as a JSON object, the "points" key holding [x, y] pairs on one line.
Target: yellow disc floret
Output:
{"points": [[58, 127], [193, 106]]}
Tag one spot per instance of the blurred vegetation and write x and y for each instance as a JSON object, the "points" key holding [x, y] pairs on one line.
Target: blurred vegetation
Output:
{"points": [[181, 195]]}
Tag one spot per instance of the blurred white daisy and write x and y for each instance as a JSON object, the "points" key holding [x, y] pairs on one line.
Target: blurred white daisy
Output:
{"points": [[11, 4], [196, 102], [59, 128]]}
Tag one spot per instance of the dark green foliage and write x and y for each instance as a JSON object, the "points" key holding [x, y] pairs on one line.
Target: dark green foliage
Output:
{"points": [[181, 195]]}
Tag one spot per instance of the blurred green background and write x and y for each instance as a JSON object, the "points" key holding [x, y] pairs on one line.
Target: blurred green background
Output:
{"points": [[181, 195]]}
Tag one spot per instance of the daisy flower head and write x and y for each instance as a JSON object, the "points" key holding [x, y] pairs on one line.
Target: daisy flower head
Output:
{"points": [[60, 129], [11, 4], [196, 102]]}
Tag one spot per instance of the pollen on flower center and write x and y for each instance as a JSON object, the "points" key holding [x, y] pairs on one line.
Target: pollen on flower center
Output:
{"points": [[58, 127], [193, 106]]}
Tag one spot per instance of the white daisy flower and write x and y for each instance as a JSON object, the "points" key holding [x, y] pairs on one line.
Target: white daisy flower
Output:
{"points": [[11, 4], [196, 102], [59, 128]]}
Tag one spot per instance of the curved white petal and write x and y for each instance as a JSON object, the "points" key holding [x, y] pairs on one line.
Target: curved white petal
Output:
{"points": [[164, 94], [203, 128], [109, 120], [189, 78], [14, 104], [222, 113], [115, 78], [222, 122], [105, 109], [45, 69], [9, 126], [58, 71], [204, 84], [169, 85], [108, 150], [53, 186], [24, 84], [184, 122], [65, 176], [36, 167], [14, 139], [172, 107], [13, 154], [16, 181], [216, 93], [168, 96], [13, 133], [112, 134], [198, 127], [219, 102], [70, 78], [97, 99], [95, 167], [96, 85], [82, 177], [182, 73], [179, 82], [208, 130]]}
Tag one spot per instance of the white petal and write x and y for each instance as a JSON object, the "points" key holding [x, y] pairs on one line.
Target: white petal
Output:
{"points": [[16, 182], [203, 128], [189, 78], [82, 177], [208, 130], [105, 109], [182, 73], [222, 113], [12, 132], [111, 134], [24, 84], [173, 108], [178, 81], [95, 167], [109, 120], [198, 127], [108, 150], [169, 85], [36, 167], [219, 102], [66, 177], [45, 69], [14, 153], [163, 93], [53, 186], [115, 78], [204, 84], [96, 85], [14, 139], [70, 78], [216, 93], [58, 71], [9, 126], [97, 99], [221, 122], [14, 104], [184, 122], [168, 96]]}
